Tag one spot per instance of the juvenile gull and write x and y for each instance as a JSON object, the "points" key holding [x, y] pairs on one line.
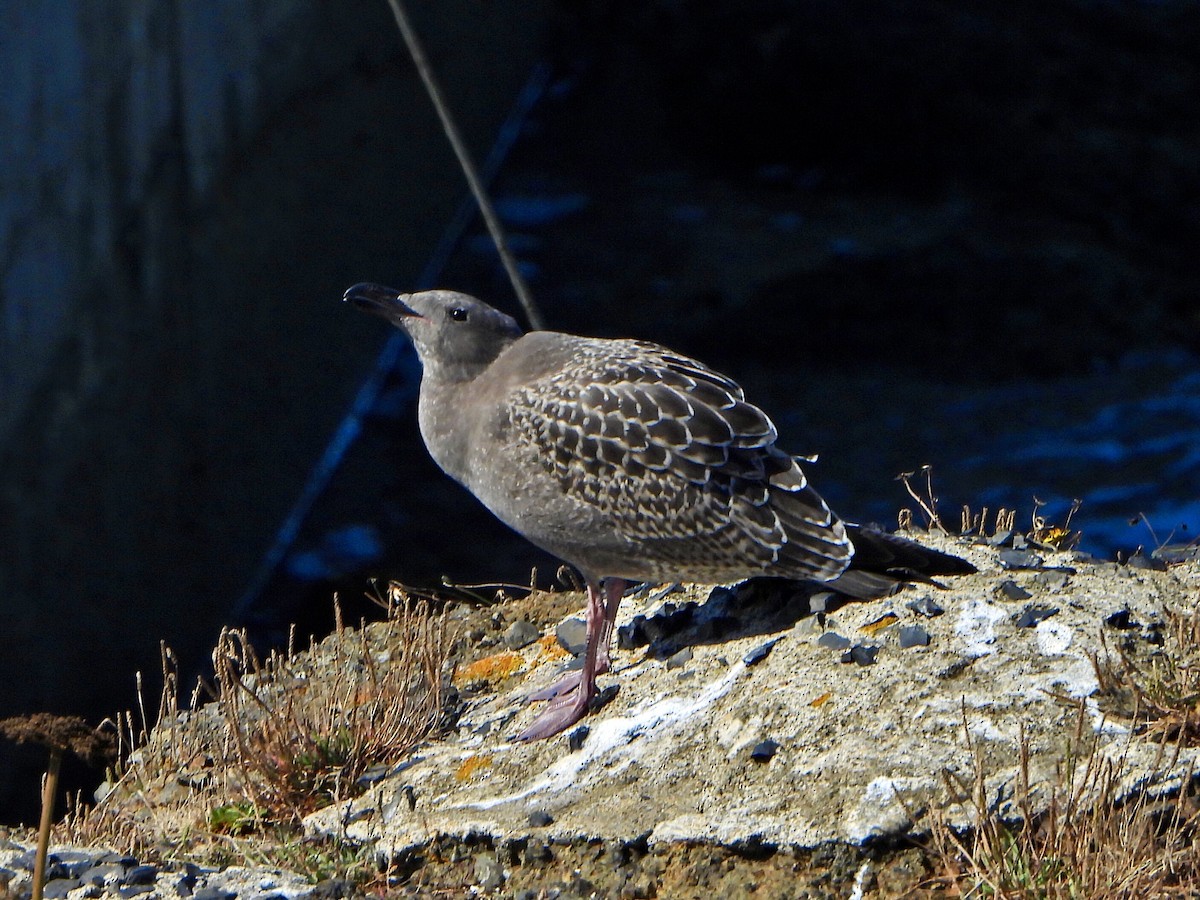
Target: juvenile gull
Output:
{"points": [[629, 461]]}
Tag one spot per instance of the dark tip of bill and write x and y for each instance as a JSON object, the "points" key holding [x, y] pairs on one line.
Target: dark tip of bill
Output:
{"points": [[376, 298]]}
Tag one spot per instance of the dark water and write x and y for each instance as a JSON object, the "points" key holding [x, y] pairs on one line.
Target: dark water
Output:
{"points": [[1125, 441]]}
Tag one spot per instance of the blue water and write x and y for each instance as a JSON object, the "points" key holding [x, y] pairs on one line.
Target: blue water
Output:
{"points": [[1125, 441]]}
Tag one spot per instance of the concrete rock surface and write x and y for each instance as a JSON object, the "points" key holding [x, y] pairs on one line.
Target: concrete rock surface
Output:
{"points": [[862, 750]]}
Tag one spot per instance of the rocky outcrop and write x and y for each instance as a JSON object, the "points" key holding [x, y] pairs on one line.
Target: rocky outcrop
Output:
{"points": [[762, 736], [742, 719]]}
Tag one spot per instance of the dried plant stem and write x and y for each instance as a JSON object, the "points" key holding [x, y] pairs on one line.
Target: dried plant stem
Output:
{"points": [[928, 503], [49, 789]]}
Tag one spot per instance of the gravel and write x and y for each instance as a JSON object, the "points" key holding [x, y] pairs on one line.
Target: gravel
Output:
{"points": [[98, 873]]}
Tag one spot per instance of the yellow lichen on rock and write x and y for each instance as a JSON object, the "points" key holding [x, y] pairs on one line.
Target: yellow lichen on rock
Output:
{"points": [[471, 765], [490, 670]]}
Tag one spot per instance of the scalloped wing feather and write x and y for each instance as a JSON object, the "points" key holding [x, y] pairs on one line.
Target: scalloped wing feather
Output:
{"points": [[679, 462]]}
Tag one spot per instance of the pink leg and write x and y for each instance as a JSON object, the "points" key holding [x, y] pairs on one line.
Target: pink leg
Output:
{"points": [[614, 589], [573, 694]]}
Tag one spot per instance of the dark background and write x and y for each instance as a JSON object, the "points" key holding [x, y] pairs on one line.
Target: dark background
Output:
{"points": [[953, 233]]}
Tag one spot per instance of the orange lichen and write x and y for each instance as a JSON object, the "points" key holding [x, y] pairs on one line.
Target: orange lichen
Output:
{"points": [[881, 623], [821, 701], [471, 765], [491, 669], [551, 647]]}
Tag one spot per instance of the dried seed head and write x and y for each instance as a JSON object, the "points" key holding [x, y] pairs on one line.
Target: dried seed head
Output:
{"points": [[62, 733]]}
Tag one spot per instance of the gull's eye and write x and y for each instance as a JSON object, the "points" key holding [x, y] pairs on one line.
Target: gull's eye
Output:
{"points": [[458, 314]]}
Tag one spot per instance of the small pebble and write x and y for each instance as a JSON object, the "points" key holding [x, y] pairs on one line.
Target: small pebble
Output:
{"points": [[1142, 561], [141, 875], [666, 591], [520, 634], [1001, 538], [75, 862], [831, 640], [332, 889], [133, 890], [1034, 614], [213, 893], [680, 659], [925, 606], [862, 654], [633, 635], [538, 851], [572, 636], [1020, 559], [759, 653], [577, 737], [1052, 579], [913, 636], [818, 603], [763, 751], [106, 873], [59, 888], [807, 626], [887, 620], [1013, 591], [604, 697], [1122, 620], [489, 874], [539, 818]]}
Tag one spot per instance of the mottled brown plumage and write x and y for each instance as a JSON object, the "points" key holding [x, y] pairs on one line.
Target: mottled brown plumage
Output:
{"points": [[679, 465], [627, 460]]}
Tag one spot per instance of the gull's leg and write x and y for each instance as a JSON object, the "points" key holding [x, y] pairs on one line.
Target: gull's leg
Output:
{"points": [[602, 615], [572, 704], [614, 590]]}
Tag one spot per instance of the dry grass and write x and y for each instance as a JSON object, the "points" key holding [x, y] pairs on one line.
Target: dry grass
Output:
{"points": [[1087, 835], [1091, 833], [229, 780], [304, 738], [1158, 691]]}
